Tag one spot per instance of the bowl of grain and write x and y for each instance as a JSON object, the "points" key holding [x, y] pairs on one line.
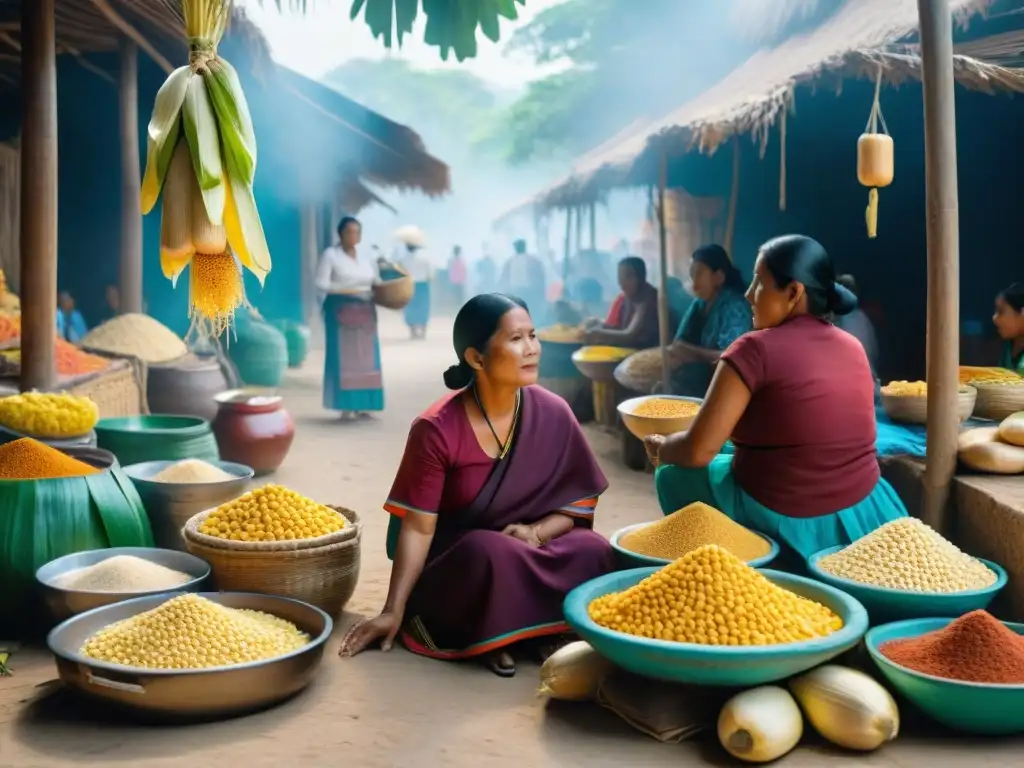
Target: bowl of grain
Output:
{"points": [[79, 582], [694, 526], [174, 491], [658, 414]]}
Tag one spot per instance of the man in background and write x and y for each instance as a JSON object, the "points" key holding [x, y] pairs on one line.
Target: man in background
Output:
{"points": [[523, 275], [457, 274]]}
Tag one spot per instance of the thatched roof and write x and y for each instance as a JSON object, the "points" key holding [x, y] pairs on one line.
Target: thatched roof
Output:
{"points": [[390, 154], [859, 41]]}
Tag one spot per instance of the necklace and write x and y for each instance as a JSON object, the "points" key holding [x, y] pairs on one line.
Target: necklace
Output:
{"points": [[502, 446]]}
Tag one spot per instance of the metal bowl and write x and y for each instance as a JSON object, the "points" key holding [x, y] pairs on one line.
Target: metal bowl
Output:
{"points": [[64, 603], [198, 693], [170, 505]]}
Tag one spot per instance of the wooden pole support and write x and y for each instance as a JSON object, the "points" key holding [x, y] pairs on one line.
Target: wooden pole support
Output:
{"points": [[943, 232], [663, 325], [38, 195], [130, 272]]}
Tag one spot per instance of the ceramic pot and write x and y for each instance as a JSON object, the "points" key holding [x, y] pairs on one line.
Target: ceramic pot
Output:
{"points": [[186, 387], [253, 428]]}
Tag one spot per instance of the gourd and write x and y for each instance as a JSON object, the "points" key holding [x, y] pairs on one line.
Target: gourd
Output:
{"points": [[847, 707], [573, 673], [975, 436], [875, 158], [1011, 430], [993, 458], [760, 725]]}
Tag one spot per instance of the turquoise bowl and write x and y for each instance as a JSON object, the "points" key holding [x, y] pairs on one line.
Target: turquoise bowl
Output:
{"points": [[884, 604], [732, 666], [626, 559], [979, 708]]}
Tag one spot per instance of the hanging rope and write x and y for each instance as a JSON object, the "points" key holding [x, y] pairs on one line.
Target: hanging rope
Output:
{"points": [[875, 118]]}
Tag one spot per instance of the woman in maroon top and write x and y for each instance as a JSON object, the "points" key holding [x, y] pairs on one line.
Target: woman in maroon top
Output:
{"points": [[796, 395], [492, 508]]}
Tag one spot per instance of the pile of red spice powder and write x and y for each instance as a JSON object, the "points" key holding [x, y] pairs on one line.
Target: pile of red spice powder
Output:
{"points": [[976, 648]]}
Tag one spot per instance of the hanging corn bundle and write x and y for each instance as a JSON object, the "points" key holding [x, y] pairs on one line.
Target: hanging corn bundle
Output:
{"points": [[202, 155], [875, 160]]}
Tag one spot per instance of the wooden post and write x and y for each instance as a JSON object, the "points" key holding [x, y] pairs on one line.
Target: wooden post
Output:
{"points": [[941, 206], [579, 229], [130, 273], [38, 195], [568, 247], [593, 226], [734, 197], [663, 325]]}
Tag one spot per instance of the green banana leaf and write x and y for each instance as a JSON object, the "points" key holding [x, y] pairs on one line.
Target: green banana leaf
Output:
{"points": [[41, 520]]}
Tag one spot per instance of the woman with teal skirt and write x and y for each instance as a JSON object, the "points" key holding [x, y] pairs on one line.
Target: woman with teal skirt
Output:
{"points": [[352, 374], [1009, 321], [796, 396]]}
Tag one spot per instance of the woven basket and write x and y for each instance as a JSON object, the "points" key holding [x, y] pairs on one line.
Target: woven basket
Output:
{"points": [[394, 294], [997, 401], [913, 409], [322, 572], [116, 391]]}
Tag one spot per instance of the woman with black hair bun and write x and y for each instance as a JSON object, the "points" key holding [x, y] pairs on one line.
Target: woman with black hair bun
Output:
{"points": [[353, 383], [717, 317], [493, 505], [796, 396], [1009, 322]]}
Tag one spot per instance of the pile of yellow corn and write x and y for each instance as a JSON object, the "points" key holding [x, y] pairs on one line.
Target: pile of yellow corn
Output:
{"points": [[690, 528], [602, 354], [191, 632], [272, 513], [48, 415], [666, 408], [711, 597], [906, 389], [561, 333], [979, 375]]}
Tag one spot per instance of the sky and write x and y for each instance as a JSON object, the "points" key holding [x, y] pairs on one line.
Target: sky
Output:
{"points": [[324, 37]]}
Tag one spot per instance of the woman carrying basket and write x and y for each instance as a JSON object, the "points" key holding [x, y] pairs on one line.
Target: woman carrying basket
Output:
{"points": [[352, 372]]}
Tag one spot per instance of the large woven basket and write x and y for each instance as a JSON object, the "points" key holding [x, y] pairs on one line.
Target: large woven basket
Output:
{"points": [[913, 409], [997, 401], [394, 294], [322, 572], [117, 391]]}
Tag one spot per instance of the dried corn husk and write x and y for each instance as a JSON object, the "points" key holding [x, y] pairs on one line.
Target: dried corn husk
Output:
{"points": [[573, 673]]}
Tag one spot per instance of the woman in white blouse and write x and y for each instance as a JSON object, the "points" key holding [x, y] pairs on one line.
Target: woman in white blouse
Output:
{"points": [[352, 372]]}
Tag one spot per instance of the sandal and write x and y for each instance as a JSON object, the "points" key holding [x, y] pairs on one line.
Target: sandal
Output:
{"points": [[500, 663]]}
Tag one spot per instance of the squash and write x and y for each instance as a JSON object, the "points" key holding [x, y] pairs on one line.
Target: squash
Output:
{"points": [[970, 437], [875, 160], [1011, 430], [993, 458]]}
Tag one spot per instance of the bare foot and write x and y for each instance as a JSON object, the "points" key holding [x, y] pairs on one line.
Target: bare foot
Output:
{"points": [[500, 663]]}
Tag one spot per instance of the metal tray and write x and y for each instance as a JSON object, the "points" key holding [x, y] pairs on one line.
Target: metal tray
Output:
{"points": [[198, 693]]}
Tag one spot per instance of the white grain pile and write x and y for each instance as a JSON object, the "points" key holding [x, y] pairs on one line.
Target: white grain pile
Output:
{"points": [[122, 573], [192, 471]]}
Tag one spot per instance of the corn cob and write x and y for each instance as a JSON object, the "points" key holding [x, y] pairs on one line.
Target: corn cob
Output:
{"points": [[201, 157]]}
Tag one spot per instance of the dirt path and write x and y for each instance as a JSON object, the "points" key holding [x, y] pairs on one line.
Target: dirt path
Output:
{"points": [[378, 710]]}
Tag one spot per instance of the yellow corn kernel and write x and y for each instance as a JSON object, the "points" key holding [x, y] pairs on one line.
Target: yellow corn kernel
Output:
{"points": [[711, 597], [272, 513], [693, 527]]}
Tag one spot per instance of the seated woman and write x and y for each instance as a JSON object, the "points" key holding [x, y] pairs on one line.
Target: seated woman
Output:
{"points": [[1009, 322], [716, 318], [633, 319], [797, 398], [493, 504]]}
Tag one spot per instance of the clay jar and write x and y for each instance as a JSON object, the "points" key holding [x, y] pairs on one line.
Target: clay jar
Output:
{"points": [[253, 428]]}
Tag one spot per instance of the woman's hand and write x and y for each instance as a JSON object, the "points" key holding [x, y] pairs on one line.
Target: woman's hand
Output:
{"points": [[383, 628], [652, 444], [525, 533]]}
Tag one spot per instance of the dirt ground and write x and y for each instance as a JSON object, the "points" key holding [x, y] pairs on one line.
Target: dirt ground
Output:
{"points": [[382, 710]]}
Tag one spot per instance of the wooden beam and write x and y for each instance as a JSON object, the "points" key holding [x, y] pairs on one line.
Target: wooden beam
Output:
{"points": [[130, 272], [593, 226], [38, 195], [663, 324], [132, 34], [943, 232]]}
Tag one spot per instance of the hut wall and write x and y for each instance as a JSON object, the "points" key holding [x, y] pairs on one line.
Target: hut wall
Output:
{"points": [[10, 211]]}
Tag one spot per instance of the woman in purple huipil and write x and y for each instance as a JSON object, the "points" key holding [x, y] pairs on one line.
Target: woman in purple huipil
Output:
{"points": [[493, 505]]}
